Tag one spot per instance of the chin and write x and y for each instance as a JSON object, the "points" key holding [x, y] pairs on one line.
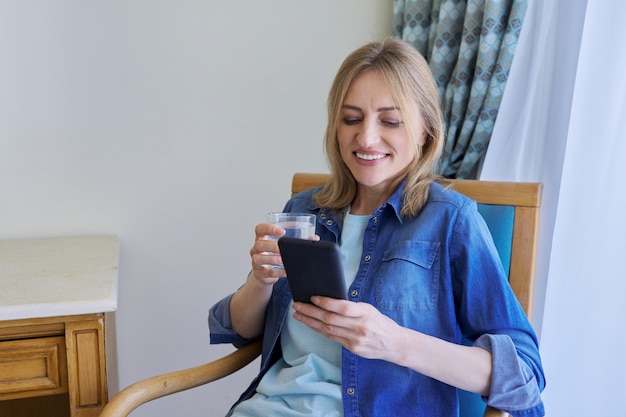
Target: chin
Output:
{"points": [[368, 180]]}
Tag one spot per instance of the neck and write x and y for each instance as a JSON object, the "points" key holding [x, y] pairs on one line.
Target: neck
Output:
{"points": [[368, 199], [366, 202]]}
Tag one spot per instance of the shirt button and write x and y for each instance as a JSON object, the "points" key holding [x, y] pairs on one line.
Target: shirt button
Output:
{"points": [[367, 258], [329, 222], [322, 215], [375, 220], [350, 391], [354, 293]]}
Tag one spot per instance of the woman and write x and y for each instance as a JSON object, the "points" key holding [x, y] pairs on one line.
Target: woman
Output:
{"points": [[421, 264]]}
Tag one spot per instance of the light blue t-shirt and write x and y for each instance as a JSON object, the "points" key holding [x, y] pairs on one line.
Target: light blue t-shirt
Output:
{"points": [[307, 381]]}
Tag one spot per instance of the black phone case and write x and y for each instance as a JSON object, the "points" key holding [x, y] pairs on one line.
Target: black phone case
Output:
{"points": [[312, 268]]}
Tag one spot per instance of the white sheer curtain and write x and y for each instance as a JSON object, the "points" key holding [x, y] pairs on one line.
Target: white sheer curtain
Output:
{"points": [[563, 122]]}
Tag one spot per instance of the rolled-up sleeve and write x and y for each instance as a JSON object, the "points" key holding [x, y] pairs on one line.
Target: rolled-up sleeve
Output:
{"points": [[220, 327], [514, 387]]}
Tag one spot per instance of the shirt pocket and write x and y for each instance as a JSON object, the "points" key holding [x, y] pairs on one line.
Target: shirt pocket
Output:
{"points": [[409, 277]]}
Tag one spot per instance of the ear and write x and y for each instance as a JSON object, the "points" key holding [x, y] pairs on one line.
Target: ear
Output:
{"points": [[422, 139]]}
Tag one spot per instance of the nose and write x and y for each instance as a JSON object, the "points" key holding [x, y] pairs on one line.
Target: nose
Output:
{"points": [[369, 134]]}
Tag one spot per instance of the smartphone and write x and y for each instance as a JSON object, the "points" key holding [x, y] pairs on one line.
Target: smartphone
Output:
{"points": [[312, 268]]}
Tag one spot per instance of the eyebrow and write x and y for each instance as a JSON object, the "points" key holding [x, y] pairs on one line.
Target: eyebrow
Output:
{"points": [[380, 109]]}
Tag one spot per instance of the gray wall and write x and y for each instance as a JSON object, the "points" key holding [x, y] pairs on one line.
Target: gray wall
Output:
{"points": [[175, 125]]}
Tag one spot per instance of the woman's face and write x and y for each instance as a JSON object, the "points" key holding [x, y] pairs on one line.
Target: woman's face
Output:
{"points": [[372, 139]]}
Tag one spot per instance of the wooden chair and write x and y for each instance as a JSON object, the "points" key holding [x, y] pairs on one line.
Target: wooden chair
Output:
{"points": [[520, 203]]}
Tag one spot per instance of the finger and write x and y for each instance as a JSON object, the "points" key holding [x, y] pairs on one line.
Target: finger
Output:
{"points": [[316, 325], [263, 230], [262, 261], [341, 307], [263, 246], [327, 310], [322, 321], [327, 329]]}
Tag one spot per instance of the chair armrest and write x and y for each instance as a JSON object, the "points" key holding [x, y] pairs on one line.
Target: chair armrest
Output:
{"points": [[131, 397], [493, 412]]}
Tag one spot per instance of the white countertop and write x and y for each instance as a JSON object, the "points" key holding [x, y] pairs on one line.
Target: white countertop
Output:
{"points": [[61, 276]]}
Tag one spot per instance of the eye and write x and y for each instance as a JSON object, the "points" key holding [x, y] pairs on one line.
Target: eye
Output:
{"points": [[351, 120], [392, 123]]}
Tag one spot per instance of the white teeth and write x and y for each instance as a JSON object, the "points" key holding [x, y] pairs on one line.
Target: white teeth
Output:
{"points": [[368, 157]]}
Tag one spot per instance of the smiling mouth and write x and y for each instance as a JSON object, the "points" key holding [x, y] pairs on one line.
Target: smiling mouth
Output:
{"points": [[369, 157]]}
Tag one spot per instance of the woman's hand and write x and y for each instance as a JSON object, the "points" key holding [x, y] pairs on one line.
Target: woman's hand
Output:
{"points": [[248, 304], [358, 327], [264, 252]]}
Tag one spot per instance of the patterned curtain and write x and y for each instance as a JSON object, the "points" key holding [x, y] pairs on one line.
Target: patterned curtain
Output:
{"points": [[469, 45]]}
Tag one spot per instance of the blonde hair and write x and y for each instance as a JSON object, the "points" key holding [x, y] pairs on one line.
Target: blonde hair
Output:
{"points": [[414, 91]]}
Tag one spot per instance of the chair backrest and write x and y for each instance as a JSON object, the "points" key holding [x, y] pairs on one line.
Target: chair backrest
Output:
{"points": [[511, 211]]}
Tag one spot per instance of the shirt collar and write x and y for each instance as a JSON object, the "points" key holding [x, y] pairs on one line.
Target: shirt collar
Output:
{"points": [[395, 201]]}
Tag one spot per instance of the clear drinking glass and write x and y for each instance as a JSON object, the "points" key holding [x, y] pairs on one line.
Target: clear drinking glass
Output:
{"points": [[298, 225]]}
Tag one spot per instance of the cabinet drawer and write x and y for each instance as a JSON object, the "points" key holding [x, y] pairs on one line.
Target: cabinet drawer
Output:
{"points": [[32, 367]]}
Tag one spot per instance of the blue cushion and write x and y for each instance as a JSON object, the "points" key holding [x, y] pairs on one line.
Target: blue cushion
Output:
{"points": [[500, 219], [471, 405]]}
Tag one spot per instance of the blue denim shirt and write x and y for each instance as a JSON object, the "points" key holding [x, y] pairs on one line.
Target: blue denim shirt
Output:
{"points": [[439, 274]]}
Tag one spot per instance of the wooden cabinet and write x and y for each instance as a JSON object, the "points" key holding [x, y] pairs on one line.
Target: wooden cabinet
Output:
{"points": [[55, 365]]}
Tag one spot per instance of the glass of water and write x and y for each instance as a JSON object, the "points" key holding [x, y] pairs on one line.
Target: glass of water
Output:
{"points": [[298, 225]]}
